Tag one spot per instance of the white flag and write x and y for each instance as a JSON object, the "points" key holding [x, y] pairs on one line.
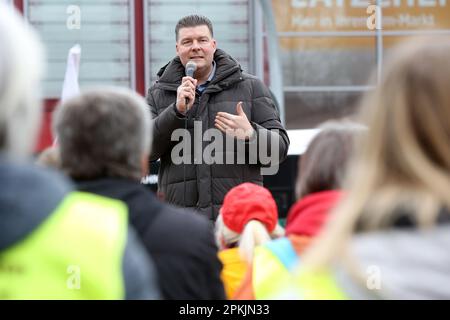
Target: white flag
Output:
{"points": [[70, 86]]}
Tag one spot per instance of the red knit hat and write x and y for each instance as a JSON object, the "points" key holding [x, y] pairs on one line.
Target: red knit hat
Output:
{"points": [[246, 202]]}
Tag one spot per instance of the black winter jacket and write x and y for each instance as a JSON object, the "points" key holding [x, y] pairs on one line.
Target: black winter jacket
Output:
{"points": [[181, 243], [207, 184]]}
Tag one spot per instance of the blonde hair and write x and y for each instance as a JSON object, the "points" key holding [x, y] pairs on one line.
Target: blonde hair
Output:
{"points": [[21, 67], [253, 235], [403, 163]]}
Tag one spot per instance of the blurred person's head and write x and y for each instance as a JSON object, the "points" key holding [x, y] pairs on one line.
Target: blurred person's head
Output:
{"points": [[21, 67], [321, 173], [105, 132], [248, 218], [322, 167], [403, 163]]}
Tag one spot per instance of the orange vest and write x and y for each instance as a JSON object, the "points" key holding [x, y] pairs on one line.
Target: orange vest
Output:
{"points": [[233, 271]]}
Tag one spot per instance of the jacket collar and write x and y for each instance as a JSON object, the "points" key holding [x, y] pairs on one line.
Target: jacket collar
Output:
{"points": [[28, 195]]}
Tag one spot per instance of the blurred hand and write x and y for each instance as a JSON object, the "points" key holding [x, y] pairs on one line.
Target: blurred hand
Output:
{"points": [[236, 126], [186, 90]]}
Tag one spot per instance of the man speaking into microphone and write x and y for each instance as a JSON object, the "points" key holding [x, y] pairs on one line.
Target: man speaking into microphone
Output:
{"points": [[204, 90]]}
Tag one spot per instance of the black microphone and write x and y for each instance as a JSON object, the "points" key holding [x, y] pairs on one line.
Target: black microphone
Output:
{"points": [[190, 68]]}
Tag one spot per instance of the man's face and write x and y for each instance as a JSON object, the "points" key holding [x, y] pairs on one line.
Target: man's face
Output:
{"points": [[197, 44]]}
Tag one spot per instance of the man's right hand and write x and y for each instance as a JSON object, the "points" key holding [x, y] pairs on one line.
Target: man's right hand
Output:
{"points": [[186, 90]]}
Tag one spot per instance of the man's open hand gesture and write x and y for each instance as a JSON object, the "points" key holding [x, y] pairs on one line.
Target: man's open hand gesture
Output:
{"points": [[235, 125]]}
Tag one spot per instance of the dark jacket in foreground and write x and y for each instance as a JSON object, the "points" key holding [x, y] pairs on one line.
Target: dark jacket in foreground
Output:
{"points": [[180, 243], [207, 184]]}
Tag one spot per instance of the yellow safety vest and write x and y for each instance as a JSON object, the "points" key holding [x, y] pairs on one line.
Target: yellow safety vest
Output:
{"points": [[276, 275], [76, 253]]}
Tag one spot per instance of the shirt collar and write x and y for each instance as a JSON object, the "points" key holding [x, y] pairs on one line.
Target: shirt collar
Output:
{"points": [[213, 71], [203, 86]]}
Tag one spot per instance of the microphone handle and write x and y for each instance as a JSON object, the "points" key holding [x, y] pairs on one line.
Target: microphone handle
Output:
{"points": [[186, 101]]}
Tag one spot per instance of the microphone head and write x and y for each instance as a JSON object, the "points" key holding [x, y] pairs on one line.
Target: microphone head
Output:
{"points": [[190, 68]]}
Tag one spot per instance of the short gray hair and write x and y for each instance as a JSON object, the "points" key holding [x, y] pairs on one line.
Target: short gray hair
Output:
{"points": [[21, 68], [104, 132], [193, 20]]}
